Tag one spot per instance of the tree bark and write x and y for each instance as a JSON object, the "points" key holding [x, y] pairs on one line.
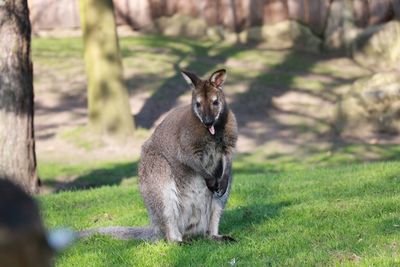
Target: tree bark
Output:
{"points": [[17, 143], [108, 102]]}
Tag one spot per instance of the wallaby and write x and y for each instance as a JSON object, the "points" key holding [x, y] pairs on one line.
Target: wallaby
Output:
{"points": [[185, 171]]}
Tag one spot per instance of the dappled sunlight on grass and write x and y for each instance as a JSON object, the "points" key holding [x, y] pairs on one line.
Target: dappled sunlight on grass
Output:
{"points": [[279, 90], [302, 195]]}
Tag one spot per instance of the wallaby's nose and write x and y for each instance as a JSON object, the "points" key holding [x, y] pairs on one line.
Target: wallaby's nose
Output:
{"points": [[208, 122]]}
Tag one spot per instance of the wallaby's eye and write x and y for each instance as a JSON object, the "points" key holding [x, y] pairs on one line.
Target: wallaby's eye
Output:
{"points": [[215, 103], [197, 104]]}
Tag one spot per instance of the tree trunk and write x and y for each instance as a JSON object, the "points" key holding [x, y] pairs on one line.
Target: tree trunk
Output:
{"points": [[17, 144], [108, 102]]}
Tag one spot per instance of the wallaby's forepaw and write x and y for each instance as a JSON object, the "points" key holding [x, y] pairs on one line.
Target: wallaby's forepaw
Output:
{"points": [[212, 185], [223, 238], [220, 192]]}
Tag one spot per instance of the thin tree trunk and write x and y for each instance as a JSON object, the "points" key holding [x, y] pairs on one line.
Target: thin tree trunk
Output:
{"points": [[108, 102], [17, 144], [235, 19]]}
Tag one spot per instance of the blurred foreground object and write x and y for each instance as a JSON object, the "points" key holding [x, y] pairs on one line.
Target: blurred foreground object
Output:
{"points": [[22, 235], [23, 238]]}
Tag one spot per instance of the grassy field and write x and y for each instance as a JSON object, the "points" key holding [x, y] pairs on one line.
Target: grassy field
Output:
{"points": [[303, 194], [346, 215]]}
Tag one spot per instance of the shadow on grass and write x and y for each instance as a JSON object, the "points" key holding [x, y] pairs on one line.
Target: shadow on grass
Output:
{"points": [[112, 175], [245, 217], [294, 75], [246, 164]]}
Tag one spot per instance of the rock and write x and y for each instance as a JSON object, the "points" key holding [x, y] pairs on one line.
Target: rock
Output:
{"points": [[173, 26], [372, 103], [304, 39], [285, 34], [378, 47], [196, 27], [216, 33], [253, 34], [178, 25]]}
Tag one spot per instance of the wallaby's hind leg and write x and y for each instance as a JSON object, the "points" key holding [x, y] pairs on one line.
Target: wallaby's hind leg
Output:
{"points": [[160, 195], [171, 212], [167, 221], [173, 234]]}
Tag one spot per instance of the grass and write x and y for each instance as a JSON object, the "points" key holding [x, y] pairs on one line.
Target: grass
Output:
{"points": [[308, 158], [346, 215], [83, 137], [316, 205], [79, 137], [257, 78], [140, 52]]}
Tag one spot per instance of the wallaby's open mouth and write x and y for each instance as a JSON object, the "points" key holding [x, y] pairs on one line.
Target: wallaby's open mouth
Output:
{"points": [[211, 129]]}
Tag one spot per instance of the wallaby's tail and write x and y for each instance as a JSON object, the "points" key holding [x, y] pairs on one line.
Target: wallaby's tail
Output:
{"points": [[119, 232]]}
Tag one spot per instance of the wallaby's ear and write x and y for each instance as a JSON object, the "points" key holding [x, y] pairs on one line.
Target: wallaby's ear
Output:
{"points": [[218, 78], [190, 78]]}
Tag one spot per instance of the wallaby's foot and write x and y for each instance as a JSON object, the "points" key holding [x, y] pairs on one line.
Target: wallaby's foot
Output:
{"points": [[185, 242], [223, 238], [174, 237], [191, 238], [178, 241]]}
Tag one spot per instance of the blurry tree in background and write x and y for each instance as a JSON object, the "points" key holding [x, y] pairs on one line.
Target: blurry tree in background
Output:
{"points": [[17, 144], [108, 102]]}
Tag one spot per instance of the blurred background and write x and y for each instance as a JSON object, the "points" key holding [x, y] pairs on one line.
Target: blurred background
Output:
{"points": [[311, 82]]}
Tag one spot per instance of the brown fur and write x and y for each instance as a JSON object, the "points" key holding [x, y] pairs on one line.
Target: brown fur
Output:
{"points": [[185, 170]]}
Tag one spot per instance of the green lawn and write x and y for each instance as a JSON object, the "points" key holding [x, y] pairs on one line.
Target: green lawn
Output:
{"points": [[346, 215], [299, 198]]}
